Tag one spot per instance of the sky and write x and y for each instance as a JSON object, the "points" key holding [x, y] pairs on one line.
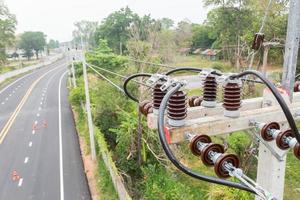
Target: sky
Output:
{"points": [[56, 17]]}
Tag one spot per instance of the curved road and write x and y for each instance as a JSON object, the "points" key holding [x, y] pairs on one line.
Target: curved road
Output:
{"points": [[39, 150]]}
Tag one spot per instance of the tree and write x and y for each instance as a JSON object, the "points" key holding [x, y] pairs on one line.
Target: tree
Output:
{"points": [[86, 30], [184, 34], [201, 36], [166, 23], [7, 30], [115, 29], [52, 44], [32, 41]]}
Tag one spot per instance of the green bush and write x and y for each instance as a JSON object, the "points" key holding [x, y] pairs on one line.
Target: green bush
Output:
{"points": [[161, 185]]}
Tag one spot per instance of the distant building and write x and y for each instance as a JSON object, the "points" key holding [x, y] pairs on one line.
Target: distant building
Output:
{"points": [[185, 51], [197, 51], [211, 54]]}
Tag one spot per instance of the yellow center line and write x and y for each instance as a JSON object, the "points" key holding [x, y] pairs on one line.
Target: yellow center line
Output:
{"points": [[12, 118]]}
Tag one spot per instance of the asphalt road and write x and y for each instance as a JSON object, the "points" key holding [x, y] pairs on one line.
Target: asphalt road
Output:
{"points": [[39, 150]]}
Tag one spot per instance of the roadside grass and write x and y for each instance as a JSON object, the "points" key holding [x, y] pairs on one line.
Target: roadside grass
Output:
{"points": [[14, 64], [105, 187]]}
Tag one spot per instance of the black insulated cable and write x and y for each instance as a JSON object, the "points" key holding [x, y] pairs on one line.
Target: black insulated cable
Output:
{"points": [[128, 79], [278, 97]]}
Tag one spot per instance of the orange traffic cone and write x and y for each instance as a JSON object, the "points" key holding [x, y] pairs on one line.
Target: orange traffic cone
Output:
{"points": [[45, 124], [15, 176], [34, 126]]}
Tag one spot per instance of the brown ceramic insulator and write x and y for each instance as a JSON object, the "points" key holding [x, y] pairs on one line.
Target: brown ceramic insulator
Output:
{"points": [[296, 86], [258, 40], [264, 131], [193, 144], [232, 96], [210, 87], [297, 151], [146, 107], [205, 157], [195, 101], [157, 96], [225, 158], [280, 139], [177, 108]]}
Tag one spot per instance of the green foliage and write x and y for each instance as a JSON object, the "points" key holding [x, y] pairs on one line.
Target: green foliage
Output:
{"points": [[8, 24], [85, 30], [115, 30], [77, 96], [52, 44], [161, 185], [103, 57], [32, 41], [226, 193], [201, 37], [238, 142]]}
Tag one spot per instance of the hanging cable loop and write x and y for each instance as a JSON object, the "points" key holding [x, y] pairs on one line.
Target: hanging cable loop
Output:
{"points": [[278, 97]]}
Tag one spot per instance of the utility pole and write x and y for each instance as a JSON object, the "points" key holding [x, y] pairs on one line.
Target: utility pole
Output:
{"points": [[88, 105], [291, 48], [73, 73], [271, 171]]}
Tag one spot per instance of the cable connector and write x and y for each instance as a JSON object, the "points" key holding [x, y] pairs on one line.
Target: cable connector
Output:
{"points": [[155, 78], [172, 82], [206, 72]]}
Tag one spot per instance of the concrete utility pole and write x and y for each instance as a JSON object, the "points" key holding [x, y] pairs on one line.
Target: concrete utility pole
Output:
{"points": [[88, 105], [291, 47], [271, 171]]}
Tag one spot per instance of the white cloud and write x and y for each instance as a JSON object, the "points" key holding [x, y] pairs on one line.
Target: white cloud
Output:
{"points": [[56, 17]]}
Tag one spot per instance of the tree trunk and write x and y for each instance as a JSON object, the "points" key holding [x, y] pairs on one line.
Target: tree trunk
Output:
{"points": [[37, 54]]}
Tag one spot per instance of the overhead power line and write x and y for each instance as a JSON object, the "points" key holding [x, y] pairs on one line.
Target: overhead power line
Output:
{"points": [[116, 74], [108, 80]]}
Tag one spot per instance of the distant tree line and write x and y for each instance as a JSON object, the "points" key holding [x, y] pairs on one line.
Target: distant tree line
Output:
{"points": [[230, 26]]}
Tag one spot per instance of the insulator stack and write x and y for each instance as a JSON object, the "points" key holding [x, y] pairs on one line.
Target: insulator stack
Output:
{"points": [[146, 107], [232, 98], [210, 87], [284, 139], [177, 109], [223, 160], [297, 86], [258, 41], [157, 97], [269, 131], [213, 154], [195, 101], [297, 151]]}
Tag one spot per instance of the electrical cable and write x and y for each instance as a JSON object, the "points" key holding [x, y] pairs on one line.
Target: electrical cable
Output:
{"points": [[189, 69], [128, 79], [116, 74], [172, 157], [150, 63], [112, 83], [278, 97]]}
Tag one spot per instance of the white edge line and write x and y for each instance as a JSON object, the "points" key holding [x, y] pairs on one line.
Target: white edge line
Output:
{"points": [[61, 172], [20, 182]]}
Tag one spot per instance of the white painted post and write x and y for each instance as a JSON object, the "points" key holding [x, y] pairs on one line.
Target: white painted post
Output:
{"points": [[73, 74], [88, 106]]}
